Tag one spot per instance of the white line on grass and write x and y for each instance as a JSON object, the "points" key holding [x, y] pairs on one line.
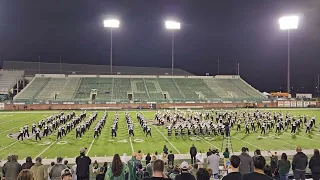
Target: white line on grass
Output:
{"points": [[249, 143], [209, 142], [16, 119], [9, 145], [46, 148], [9, 130], [131, 145], [304, 137], [167, 139], [90, 146], [282, 141]]}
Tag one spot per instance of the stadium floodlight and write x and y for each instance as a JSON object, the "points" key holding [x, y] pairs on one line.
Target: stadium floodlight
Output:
{"points": [[111, 23], [288, 23], [172, 25]]}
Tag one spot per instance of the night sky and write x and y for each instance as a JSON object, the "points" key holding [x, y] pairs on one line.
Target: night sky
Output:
{"points": [[244, 31]]}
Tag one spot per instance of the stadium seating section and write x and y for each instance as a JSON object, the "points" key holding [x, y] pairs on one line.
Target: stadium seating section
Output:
{"points": [[8, 79], [134, 89]]}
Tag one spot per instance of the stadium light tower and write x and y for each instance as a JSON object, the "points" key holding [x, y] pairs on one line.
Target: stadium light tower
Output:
{"points": [[111, 23], [173, 26], [288, 23]]}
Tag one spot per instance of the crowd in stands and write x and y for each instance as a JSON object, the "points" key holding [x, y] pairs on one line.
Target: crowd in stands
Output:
{"points": [[163, 167]]}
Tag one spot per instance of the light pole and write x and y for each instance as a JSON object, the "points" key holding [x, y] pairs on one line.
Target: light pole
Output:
{"points": [[288, 23], [111, 23], [172, 25]]}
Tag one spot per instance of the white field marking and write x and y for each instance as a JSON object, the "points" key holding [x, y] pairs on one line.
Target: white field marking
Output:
{"points": [[208, 142], [9, 130], [284, 142], [90, 146], [46, 149], [65, 157], [167, 139], [249, 143], [9, 145], [16, 119], [131, 145], [304, 137]]}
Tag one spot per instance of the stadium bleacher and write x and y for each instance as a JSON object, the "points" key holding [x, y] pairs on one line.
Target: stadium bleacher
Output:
{"points": [[8, 79], [139, 88]]}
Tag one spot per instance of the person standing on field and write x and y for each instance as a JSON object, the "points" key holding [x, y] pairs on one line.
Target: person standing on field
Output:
{"points": [[193, 153]]}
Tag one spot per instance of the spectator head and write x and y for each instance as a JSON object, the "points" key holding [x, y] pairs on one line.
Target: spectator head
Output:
{"points": [[316, 152], [134, 154], [146, 174], [14, 157], [203, 174], [257, 152], [52, 163], [105, 164], [184, 166], [164, 146], [66, 174], [171, 152], [234, 161], [140, 166], [116, 166], [156, 153], [59, 159], [298, 149], [195, 166], [259, 163], [28, 159], [25, 174], [158, 166], [284, 156], [39, 160], [244, 149], [209, 170], [227, 150], [82, 150], [153, 158], [148, 154], [139, 151], [95, 162], [65, 162], [192, 145], [268, 171], [214, 151]]}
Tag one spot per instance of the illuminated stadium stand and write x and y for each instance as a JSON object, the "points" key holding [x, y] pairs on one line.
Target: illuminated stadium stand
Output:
{"points": [[138, 88]]}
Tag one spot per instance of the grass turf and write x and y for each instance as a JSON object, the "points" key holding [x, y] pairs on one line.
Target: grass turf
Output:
{"points": [[10, 122]]}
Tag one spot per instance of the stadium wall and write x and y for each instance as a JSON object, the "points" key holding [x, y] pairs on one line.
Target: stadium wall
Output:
{"points": [[135, 106]]}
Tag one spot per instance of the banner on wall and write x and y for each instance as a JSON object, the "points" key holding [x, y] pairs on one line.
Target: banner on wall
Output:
{"points": [[299, 103], [280, 103], [306, 104], [293, 103], [286, 104], [1, 106]]}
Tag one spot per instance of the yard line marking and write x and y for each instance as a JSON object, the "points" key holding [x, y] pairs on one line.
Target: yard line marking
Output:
{"points": [[249, 143], [283, 142], [46, 148], [131, 145], [90, 146], [9, 145], [167, 139], [9, 129], [16, 119], [208, 142], [304, 137]]}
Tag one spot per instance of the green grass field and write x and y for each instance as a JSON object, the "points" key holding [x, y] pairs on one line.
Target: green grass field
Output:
{"points": [[10, 122]]}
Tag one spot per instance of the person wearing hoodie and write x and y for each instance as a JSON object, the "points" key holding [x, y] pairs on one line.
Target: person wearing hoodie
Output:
{"points": [[83, 162], [12, 168], [28, 164], [314, 165], [55, 173], [132, 167], [38, 170], [299, 164], [246, 165]]}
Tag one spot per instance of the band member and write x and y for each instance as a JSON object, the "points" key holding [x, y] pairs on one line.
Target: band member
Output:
{"points": [[148, 131], [78, 133], [26, 131], [247, 129], [96, 134], [38, 134], [113, 131], [59, 136], [21, 134], [33, 130]]}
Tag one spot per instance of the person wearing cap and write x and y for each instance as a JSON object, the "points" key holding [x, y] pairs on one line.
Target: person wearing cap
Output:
{"points": [[66, 174], [299, 164], [185, 174], [83, 162], [55, 173], [246, 165], [38, 170]]}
